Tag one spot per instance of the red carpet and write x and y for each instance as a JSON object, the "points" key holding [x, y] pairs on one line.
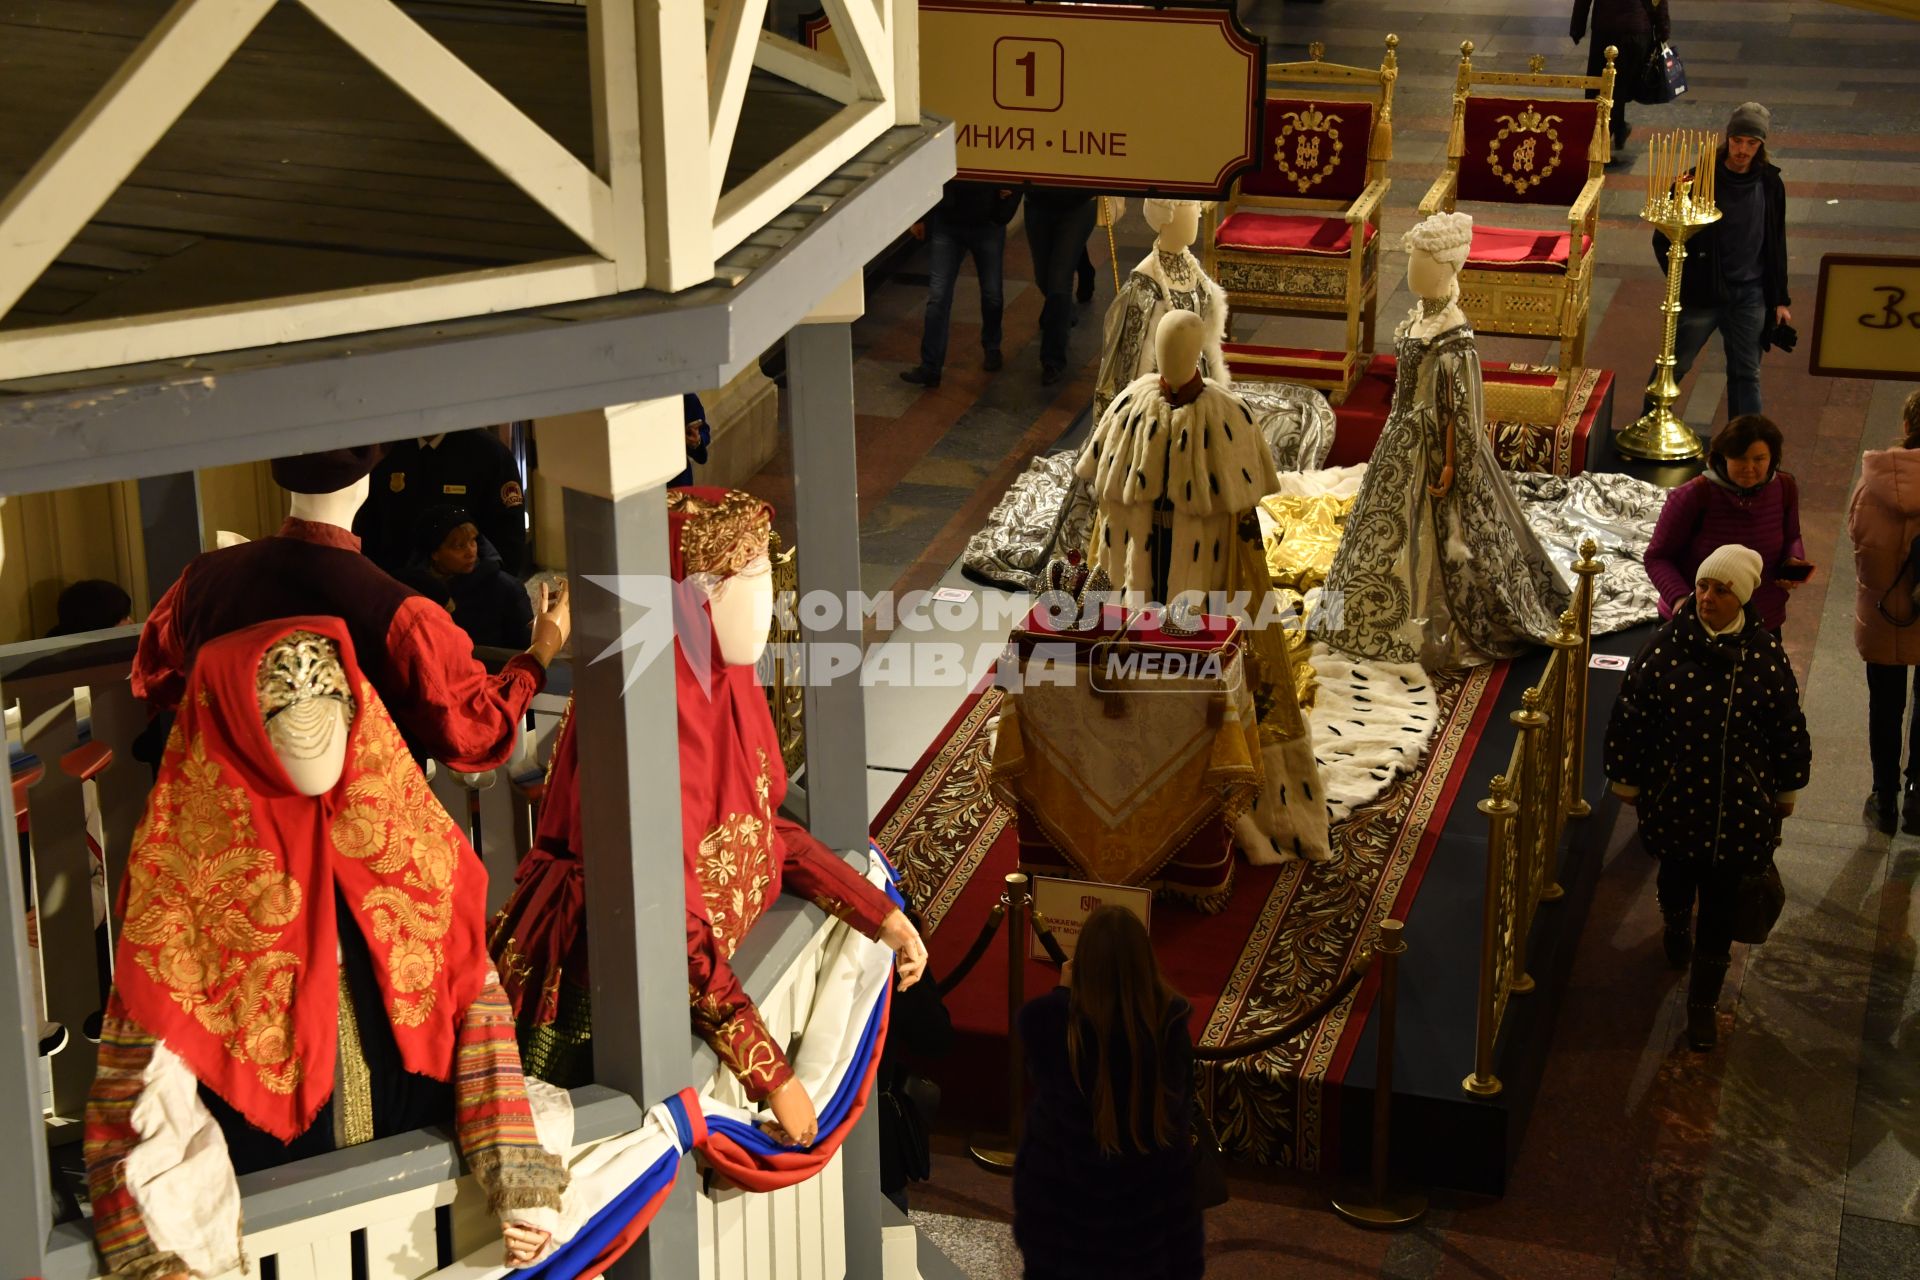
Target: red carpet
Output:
{"points": [[1284, 938]]}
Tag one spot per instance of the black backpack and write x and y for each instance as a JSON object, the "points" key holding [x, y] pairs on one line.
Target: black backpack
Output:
{"points": [[1909, 574]]}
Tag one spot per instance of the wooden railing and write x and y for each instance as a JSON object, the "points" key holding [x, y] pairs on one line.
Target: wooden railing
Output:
{"points": [[1527, 811]]}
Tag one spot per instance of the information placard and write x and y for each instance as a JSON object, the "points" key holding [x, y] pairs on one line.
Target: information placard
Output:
{"points": [[1866, 319], [1067, 903], [1107, 97]]}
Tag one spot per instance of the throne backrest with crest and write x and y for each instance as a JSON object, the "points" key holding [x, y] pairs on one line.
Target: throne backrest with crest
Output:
{"points": [[1529, 140]]}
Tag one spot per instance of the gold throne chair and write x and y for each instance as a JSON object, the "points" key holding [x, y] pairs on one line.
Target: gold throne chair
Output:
{"points": [[1301, 236], [1528, 145]]}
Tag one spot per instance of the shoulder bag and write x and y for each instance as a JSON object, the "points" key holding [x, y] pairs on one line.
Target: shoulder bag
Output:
{"points": [[1758, 901], [1663, 79]]}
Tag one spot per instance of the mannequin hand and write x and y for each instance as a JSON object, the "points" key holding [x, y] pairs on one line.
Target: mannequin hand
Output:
{"points": [[910, 953], [523, 1243], [1445, 486], [795, 1123], [552, 623]]}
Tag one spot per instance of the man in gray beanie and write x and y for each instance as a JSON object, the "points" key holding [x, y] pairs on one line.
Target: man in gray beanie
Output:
{"points": [[1735, 275]]}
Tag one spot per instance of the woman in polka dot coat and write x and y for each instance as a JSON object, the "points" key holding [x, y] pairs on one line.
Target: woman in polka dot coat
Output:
{"points": [[1708, 740]]}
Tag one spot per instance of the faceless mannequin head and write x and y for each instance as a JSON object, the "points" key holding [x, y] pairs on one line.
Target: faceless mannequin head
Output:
{"points": [[1175, 222], [1436, 250], [742, 605], [1430, 277], [338, 507], [1176, 344], [307, 708]]}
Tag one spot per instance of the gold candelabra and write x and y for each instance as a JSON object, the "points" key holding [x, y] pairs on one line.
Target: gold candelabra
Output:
{"points": [[1680, 182]]}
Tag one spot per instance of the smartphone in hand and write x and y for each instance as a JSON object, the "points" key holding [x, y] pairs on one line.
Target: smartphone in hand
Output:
{"points": [[1792, 572]]}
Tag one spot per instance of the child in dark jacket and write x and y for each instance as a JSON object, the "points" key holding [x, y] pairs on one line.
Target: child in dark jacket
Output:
{"points": [[490, 605]]}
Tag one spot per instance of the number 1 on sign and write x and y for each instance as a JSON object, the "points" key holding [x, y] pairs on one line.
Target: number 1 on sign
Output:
{"points": [[1027, 62]]}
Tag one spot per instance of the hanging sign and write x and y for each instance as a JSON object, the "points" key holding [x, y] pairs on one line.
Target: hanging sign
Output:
{"points": [[1107, 97], [1866, 318]]}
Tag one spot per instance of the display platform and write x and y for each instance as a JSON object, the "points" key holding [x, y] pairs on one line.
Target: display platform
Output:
{"points": [[1288, 933], [1581, 441]]}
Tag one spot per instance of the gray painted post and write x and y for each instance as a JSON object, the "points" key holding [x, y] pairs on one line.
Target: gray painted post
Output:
{"points": [[24, 1185], [170, 524], [630, 800], [827, 532]]}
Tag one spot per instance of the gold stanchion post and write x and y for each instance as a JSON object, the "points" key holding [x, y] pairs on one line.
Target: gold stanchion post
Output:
{"points": [[1533, 787], [1566, 640], [1587, 569], [1499, 808], [999, 1159], [1679, 203], [1382, 1204]]}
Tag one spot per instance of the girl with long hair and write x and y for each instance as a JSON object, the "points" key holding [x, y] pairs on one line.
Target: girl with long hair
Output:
{"points": [[1103, 1180]]}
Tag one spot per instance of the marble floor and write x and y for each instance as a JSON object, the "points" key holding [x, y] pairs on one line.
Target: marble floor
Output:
{"points": [[1793, 1151]]}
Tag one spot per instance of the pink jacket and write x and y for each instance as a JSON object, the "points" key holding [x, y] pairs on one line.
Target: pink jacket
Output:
{"points": [[1882, 519]]}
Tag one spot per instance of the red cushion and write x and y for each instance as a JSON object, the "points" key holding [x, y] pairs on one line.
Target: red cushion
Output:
{"points": [[1307, 233], [1521, 249], [1312, 149], [1526, 150]]}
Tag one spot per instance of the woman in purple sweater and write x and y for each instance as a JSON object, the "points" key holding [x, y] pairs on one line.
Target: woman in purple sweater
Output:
{"points": [[1742, 497]]}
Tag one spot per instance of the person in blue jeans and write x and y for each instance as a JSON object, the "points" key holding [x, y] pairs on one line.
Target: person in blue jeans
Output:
{"points": [[971, 218], [1058, 224], [1734, 278]]}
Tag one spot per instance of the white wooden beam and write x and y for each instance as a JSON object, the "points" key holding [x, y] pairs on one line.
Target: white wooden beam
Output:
{"points": [[904, 25], [612, 56], [462, 100], [736, 33], [94, 154], [868, 50], [808, 68], [99, 344], [799, 169], [674, 143]]}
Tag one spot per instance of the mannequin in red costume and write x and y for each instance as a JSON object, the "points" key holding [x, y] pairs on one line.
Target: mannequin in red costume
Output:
{"points": [[739, 852], [447, 705], [301, 966]]}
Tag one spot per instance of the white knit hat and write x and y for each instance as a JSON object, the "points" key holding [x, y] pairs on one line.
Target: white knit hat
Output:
{"points": [[1737, 566]]}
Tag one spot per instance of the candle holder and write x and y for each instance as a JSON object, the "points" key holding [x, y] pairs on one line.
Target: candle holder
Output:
{"points": [[1679, 204]]}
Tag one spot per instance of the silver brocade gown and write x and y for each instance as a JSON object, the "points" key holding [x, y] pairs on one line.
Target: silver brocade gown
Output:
{"points": [[1446, 582]]}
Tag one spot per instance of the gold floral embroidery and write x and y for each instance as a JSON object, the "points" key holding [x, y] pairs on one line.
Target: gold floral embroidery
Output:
{"points": [[735, 866], [205, 908], [1524, 166], [1304, 132], [393, 823]]}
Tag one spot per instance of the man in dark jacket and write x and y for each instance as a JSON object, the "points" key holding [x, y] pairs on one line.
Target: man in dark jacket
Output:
{"points": [[1734, 278], [971, 218], [470, 469], [1635, 28]]}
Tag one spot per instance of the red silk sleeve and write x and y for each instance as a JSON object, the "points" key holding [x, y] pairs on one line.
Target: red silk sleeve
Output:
{"points": [[825, 879], [444, 700], [159, 664], [725, 1017]]}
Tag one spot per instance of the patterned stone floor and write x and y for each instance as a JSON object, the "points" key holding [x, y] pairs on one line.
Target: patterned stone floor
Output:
{"points": [[1795, 1150]]}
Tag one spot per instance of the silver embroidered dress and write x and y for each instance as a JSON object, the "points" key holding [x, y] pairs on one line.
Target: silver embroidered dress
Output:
{"points": [[1452, 581], [1162, 282]]}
